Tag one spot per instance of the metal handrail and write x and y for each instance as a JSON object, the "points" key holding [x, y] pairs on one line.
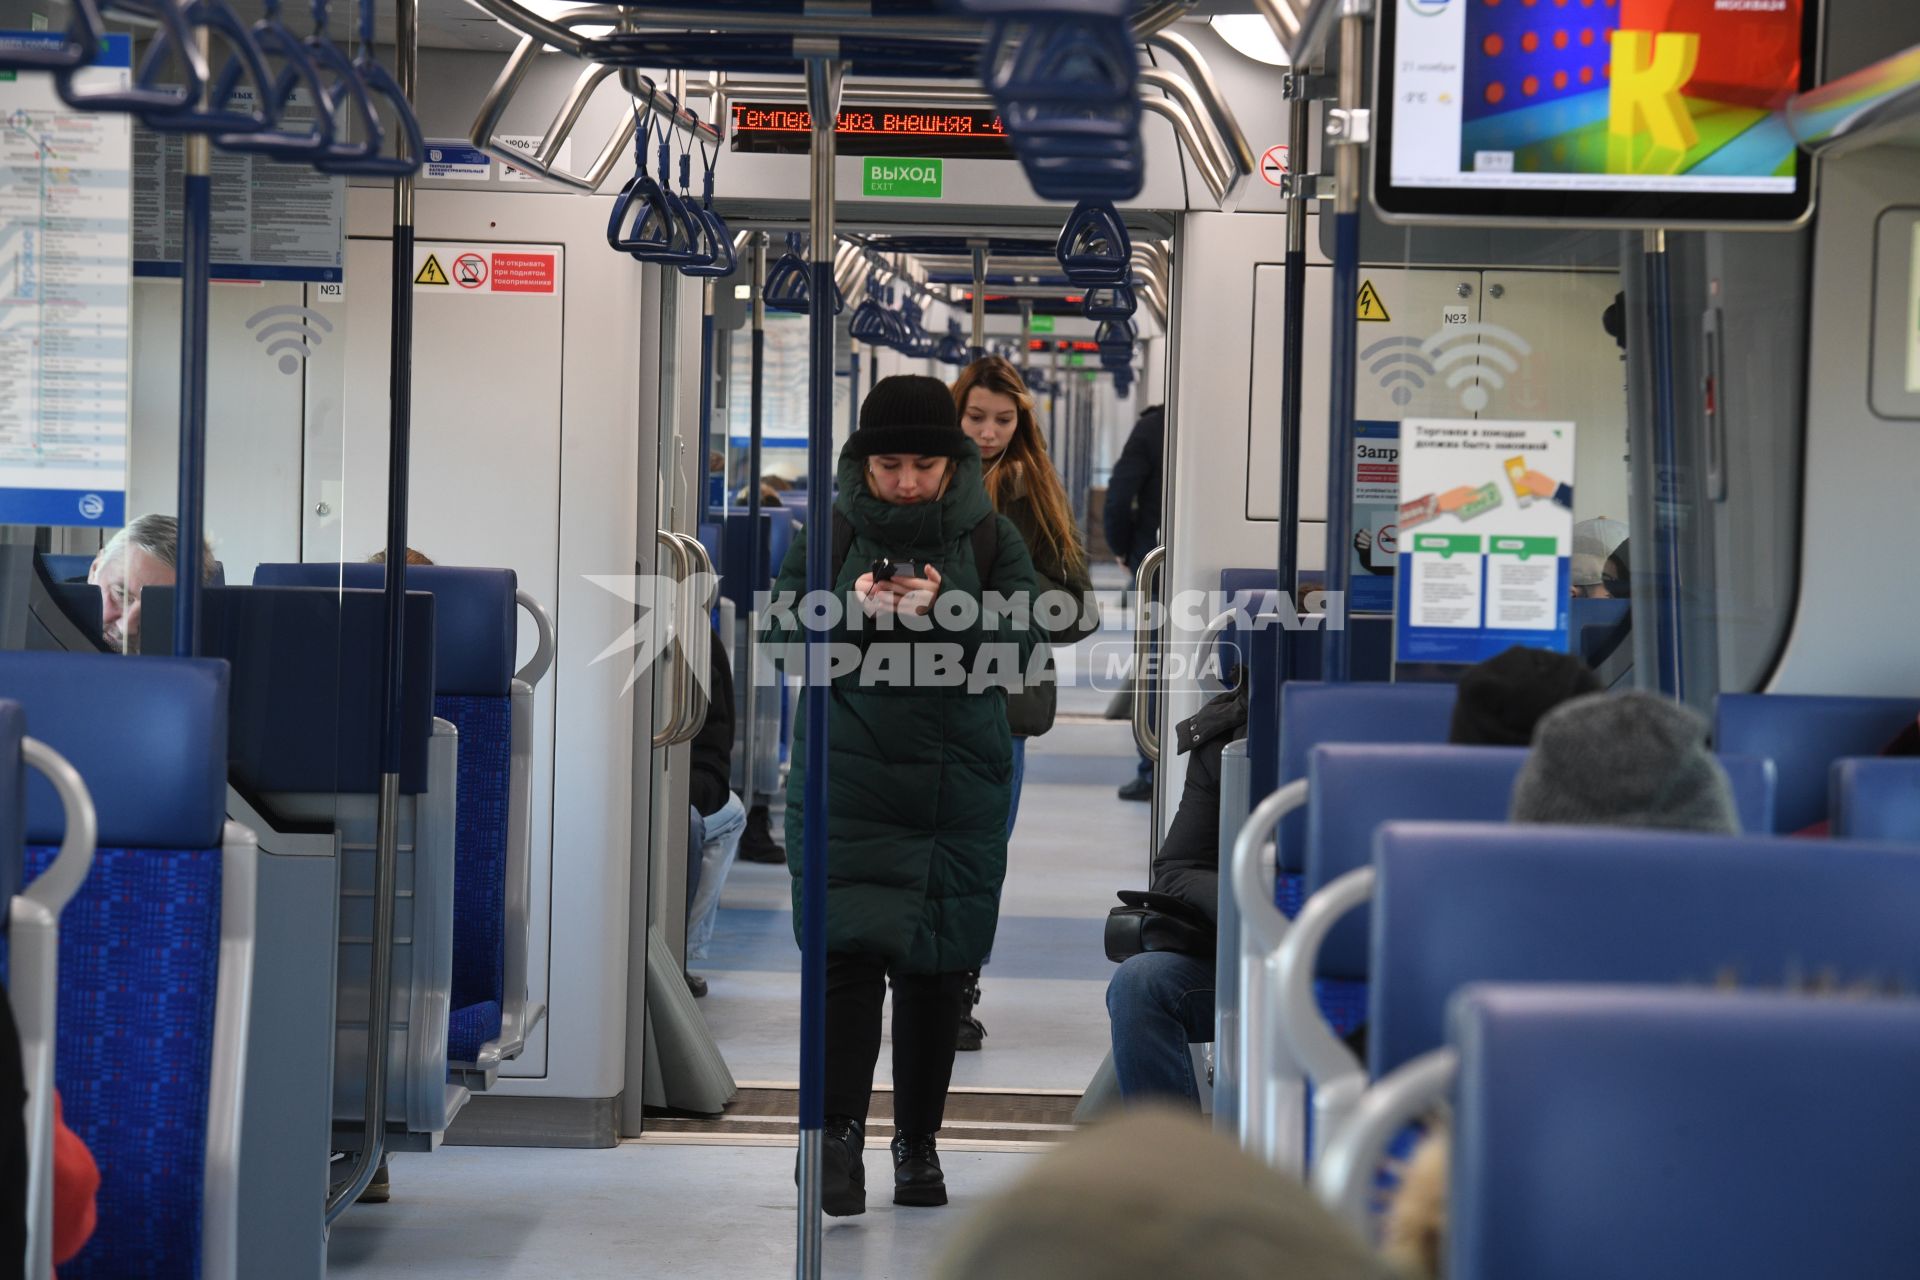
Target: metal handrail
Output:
{"points": [[1271, 1116], [1174, 109], [542, 660], [1145, 736], [1337, 1075], [34, 923], [540, 164], [670, 649], [1343, 1178], [1212, 99], [696, 656]]}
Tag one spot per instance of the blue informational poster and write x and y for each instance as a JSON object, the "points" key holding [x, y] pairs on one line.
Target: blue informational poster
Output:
{"points": [[65, 296], [1485, 532], [1372, 562]]}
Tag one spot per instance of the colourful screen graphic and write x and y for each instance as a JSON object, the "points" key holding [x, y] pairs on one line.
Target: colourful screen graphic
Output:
{"points": [[1602, 94]]}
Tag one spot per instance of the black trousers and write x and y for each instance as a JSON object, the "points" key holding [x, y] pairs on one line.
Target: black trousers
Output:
{"points": [[926, 1026]]}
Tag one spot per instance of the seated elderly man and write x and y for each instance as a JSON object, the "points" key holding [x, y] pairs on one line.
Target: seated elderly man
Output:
{"points": [[143, 554]]}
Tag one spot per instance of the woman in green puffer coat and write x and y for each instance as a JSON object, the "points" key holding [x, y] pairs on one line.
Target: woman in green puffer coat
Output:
{"points": [[996, 411], [921, 767]]}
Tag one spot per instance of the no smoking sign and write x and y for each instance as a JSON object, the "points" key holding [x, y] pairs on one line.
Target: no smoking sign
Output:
{"points": [[1273, 165]]}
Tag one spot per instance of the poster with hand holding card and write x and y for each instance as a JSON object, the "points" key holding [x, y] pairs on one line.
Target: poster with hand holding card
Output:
{"points": [[1486, 529]]}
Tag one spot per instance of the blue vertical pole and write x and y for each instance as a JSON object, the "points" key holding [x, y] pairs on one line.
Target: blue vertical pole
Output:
{"points": [[705, 504], [1292, 361], [195, 267], [823, 101], [1668, 632], [853, 388], [1335, 665]]}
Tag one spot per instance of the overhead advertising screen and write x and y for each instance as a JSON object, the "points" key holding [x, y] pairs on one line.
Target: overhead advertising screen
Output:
{"points": [[1647, 111], [874, 131]]}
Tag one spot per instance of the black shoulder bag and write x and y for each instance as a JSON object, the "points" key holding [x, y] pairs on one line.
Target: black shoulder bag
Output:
{"points": [[1157, 922]]}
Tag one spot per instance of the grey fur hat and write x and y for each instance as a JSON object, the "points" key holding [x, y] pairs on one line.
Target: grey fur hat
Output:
{"points": [[1624, 760]]}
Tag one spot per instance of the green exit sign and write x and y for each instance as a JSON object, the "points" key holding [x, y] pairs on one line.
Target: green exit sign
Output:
{"points": [[901, 178], [1043, 324]]}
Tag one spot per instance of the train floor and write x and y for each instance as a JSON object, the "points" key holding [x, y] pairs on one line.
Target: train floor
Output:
{"points": [[698, 1198]]}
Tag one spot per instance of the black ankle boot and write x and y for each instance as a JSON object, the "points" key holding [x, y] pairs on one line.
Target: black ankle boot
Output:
{"points": [[843, 1174], [971, 1030], [917, 1179], [756, 842]]}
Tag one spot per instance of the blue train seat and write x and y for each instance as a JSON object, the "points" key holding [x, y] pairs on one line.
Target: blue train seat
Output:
{"points": [[156, 951], [66, 568], [1876, 799], [477, 690], [1354, 788], [1312, 713], [1462, 903], [1688, 1122], [1803, 735]]}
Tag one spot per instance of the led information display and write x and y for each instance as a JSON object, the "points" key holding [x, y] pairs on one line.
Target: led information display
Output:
{"points": [[874, 131]]}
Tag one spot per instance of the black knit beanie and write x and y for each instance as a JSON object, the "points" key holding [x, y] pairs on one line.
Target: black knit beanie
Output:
{"points": [[1500, 700], [910, 414]]}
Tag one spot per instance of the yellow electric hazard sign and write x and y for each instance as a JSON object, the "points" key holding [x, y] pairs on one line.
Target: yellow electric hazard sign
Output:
{"points": [[434, 273], [1369, 307]]}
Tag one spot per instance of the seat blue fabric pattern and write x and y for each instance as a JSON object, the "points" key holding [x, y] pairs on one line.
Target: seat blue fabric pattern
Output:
{"points": [[470, 1027], [1877, 799], [484, 772], [1343, 1003], [1460, 903], [139, 969], [1803, 735], [1610, 1132]]}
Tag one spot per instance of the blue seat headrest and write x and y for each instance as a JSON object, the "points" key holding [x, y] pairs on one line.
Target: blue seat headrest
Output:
{"points": [[1461, 903], [474, 614], [1312, 713], [1754, 785], [1803, 735], [148, 735], [1876, 799], [308, 684], [66, 568], [1605, 1132], [1356, 787]]}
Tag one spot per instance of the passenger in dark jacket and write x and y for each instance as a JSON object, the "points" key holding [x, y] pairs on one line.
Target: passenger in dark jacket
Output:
{"points": [[1159, 1002], [1132, 516], [921, 775], [996, 412], [718, 817]]}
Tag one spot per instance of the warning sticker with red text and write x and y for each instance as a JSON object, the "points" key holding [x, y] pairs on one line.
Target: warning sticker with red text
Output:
{"points": [[485, 270]]}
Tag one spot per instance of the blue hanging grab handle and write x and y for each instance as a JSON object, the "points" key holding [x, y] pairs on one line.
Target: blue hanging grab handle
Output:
{"points": [[640, 224], [1116, 337], [1094, 248], [344, 97], [678, 250], [953, 347], [146, 92], [298, 71], [698, 234], [1071, 63], [871, 322], [209, 113], [86, 33], [374, 84], [789, 284], [719, 234], [1109, 302]]}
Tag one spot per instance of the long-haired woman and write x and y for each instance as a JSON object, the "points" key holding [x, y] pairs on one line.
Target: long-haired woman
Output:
{"points": [[996, 411]]}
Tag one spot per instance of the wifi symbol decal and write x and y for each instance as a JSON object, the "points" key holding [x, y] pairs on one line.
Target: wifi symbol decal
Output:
{"points": [[1402, 367], [1481, 354], [292, 334]]}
